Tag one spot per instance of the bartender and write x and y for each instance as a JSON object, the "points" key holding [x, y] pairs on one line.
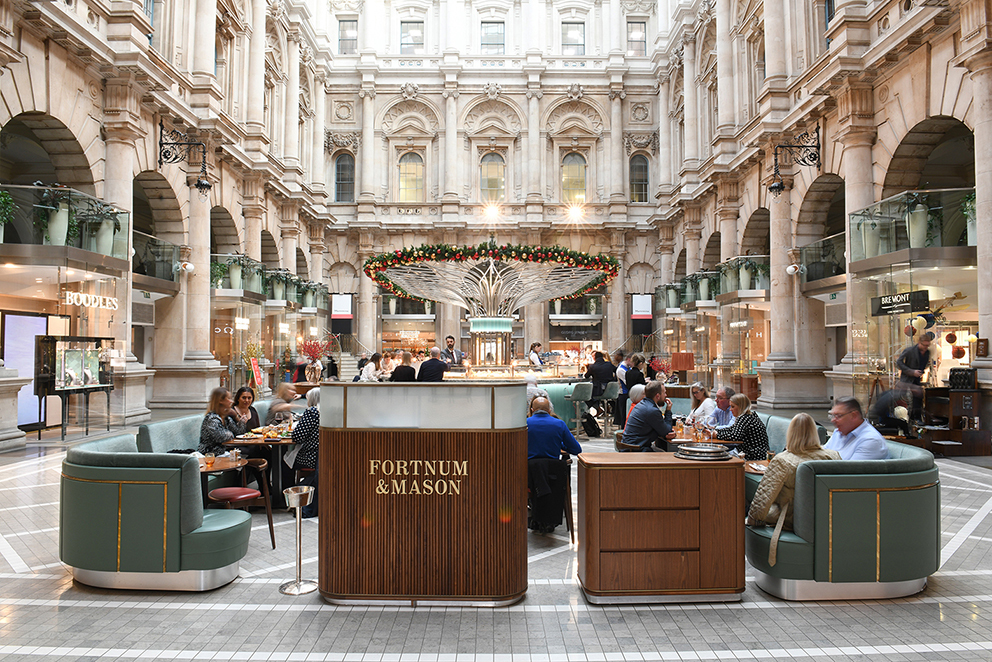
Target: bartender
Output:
{"points": [[911, 363]]}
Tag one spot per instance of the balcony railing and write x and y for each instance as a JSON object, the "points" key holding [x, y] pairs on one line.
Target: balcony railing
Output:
{"points": [[59, 216], [914, 219], [237, 272], [701, 286], [823, 258], [747, 272], [154, 257]]}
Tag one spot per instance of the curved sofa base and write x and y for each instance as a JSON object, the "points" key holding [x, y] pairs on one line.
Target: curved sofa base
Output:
{"points": [[185, 580], [806, 589]]}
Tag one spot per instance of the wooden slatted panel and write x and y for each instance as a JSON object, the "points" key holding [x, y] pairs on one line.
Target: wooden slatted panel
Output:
{"points": [[471, 545]]}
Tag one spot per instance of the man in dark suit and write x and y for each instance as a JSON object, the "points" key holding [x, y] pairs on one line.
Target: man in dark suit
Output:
{"points": [[432, 370], [601, 372], [450, 354]]}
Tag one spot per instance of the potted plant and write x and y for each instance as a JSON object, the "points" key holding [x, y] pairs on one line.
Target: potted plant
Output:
{"points": [[868, 227], [728, 273], [217, 272], [234, 271], [103, 222], [308, 288], [6, 211], [917, 221], [278, 280], [713, 282], [56, 217], [970, 217]]}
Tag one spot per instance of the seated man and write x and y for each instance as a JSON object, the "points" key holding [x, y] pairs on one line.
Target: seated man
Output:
{"points": [[647, 423], [547, 473], [890, 408], [432, 370], [535, 391], [721, 417], [854, 438]]}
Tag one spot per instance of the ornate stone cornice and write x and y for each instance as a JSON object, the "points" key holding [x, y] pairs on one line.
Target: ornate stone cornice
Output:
{"points": [[334, 140], [634, 141]]}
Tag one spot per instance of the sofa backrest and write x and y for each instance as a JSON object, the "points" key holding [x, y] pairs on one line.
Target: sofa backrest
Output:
{"points": [[170, 435], [262, 407], [778, 427], [119, 443]]}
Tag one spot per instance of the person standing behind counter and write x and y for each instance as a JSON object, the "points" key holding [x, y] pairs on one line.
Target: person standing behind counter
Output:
{"points": [[535, 354], [451, 354]]}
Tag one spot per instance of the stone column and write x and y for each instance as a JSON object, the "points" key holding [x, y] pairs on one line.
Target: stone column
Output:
{"points": [[292, 155], [775, 55], [317, 168], [693, 258], [617, 160], [664, 136], [367, 297], [204, 37], [617, 41], [290, 235], [981, 77], [253, 208], [728, 232], [534, 146], [315, 234], [782, 342], [724, 65], [198, 281], [617, 317], [367, 163], [450, 173], [256, 69], [690, 92]]}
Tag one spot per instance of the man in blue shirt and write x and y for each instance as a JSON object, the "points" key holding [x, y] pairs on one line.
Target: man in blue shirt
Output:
{"points": [[647, 423], [854, 438], [721, 417], [548, 436]]}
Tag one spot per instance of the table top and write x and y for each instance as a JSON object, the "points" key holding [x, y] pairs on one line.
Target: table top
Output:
{"points": [[636, 460], [258, 440], [222, 464]]}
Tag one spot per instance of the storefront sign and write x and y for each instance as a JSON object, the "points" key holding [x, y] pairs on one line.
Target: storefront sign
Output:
{"points": [[418, 477], [256, 372], [899, 304], [90, 301], [341, 306], [640, 306]]}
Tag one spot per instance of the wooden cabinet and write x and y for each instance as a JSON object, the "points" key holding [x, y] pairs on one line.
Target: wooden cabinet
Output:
{"points": [[653, 528], [959, 407]]}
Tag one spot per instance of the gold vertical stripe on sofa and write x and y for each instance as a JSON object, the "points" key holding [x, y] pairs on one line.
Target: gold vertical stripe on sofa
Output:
{"points": [[878, 522], [120, 487]]}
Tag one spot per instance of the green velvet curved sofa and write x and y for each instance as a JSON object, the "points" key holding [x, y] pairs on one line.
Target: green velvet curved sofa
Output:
{"points": [[776, 427], [136, 521], [862, 530]]}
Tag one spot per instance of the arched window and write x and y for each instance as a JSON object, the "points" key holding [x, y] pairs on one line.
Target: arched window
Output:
{"points": [[492, 178], [411, 178], [344, 178], [638, 178], [573, 179]]}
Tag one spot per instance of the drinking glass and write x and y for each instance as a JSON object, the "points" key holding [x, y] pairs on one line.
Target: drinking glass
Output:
{"points": [[208, 459]]}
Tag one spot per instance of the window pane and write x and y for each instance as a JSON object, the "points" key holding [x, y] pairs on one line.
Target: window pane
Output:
{"points": [[493, 38], [639, 178], [573, 38], [411, 178], [347, 37], [637, 38], [573, 179], [492, 178], [412, 38], [344, 178]]}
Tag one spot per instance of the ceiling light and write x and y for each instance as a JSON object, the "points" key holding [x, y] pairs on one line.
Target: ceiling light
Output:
{"points": [[10, 265], [88, 276], [38, 280]]}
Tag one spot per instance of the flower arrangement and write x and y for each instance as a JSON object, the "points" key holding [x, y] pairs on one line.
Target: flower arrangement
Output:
{"points": [[253, 350], [376, 265], [661, 366], [314, 349]]}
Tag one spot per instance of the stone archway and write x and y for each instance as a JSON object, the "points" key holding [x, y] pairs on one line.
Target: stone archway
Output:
{"points": [[302, 266], [39, 147], [711, 254], [756, 238], [224, 237], [155, 212], [679, 267], [270, 251], [936, 153]]}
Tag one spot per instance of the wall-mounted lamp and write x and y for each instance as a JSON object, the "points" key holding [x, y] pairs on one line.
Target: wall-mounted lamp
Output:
{"points": [[805, 151], [188, 267], [179, 147], [794, 269]]}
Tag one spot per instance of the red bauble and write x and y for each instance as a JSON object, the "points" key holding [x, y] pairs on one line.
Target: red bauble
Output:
{"points": [[957, 352], [909, 330], [951, 338]]}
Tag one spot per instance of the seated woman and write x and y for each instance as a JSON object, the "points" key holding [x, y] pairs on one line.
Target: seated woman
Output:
{"points": [[747, 431], [773, 500], [702, 404], [373, 372], [280, 409], [306, 435], [636, 395], [404, 372], [243, 417], [214, 430]]}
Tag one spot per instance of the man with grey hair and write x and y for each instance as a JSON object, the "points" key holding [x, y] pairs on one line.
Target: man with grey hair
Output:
{"points": [[721, 417], [854, 437], [432, 370], [535, 391]]}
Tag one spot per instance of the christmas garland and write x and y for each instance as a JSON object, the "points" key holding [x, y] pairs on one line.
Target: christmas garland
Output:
{"points": [[376, 265]]}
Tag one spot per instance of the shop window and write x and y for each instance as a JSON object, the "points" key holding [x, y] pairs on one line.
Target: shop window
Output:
{"points": [[493, 37], [411, 178], [638, 178], [573, 39], [344, 178], [637, 38], [412, 38], [492, 178], [348, 37], [573, 179]]}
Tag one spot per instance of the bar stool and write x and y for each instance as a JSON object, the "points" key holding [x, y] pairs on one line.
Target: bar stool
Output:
{"points": [[606, 401], [245, 497], [580, 393]]}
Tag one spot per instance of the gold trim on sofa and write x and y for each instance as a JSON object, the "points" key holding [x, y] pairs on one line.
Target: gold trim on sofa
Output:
{"points": [[878, 522], [120, 488]]}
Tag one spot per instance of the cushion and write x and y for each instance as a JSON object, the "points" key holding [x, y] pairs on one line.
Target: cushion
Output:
{"points": [[777, 427], [262, 408], [234, 494], [795, 555], [221, 540], [170, 435]]}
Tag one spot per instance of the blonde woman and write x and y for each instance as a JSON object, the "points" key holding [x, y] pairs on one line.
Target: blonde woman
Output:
{"points": [[772, 504], [747, 431], [702, 404]]}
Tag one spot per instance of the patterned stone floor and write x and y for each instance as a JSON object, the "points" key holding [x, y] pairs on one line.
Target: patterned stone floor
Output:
{"points": [[43, 614]]}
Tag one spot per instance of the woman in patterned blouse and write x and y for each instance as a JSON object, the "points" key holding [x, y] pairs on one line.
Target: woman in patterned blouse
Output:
{"points": [[307, 433], [214, 430], [747, 431]]}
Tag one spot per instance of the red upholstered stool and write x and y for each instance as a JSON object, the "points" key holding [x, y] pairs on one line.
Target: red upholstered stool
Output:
{"points": [[234, 496]]}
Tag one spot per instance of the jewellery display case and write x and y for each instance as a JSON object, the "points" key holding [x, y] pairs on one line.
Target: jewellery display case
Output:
{"points": [[70, 365]]}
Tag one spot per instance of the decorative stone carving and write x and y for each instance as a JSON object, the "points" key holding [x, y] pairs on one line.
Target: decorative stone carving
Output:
{"points": [[369, 92], [410, 91], [273, 49], [618, 93], [639, 112], [576, 109], [347, 5], [492, 90], [343, 110], [492, 112], [334, 140], [638, 7], [632, 141], [421, 112], [276, 10], [306, 55], [575, 91]]}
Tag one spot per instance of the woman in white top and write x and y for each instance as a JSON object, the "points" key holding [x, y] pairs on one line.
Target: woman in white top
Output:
{"points": [[702, 404], [372, 372], [535, 354], [387, 365]]}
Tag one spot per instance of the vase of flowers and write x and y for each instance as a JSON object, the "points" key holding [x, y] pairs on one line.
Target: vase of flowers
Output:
{"points": [[313, 349]]}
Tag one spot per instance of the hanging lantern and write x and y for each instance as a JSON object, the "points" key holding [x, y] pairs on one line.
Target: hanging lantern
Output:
{"points": [[919, 323], [972, 338], [951, 338], [957, 352]]}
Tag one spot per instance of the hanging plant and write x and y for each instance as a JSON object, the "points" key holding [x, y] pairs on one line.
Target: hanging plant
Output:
{"points": [[7, 208]]}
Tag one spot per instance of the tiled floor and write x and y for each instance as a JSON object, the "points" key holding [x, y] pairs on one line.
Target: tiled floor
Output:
{"points": [[44, 615]]}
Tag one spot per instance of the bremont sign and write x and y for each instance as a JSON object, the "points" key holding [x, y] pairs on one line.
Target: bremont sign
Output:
{"points": [[899, 304], [418, 477]]}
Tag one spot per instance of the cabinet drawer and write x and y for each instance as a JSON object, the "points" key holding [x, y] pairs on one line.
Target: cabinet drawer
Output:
{"points": [[649, 571], [649, 488], [629, 530]]}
